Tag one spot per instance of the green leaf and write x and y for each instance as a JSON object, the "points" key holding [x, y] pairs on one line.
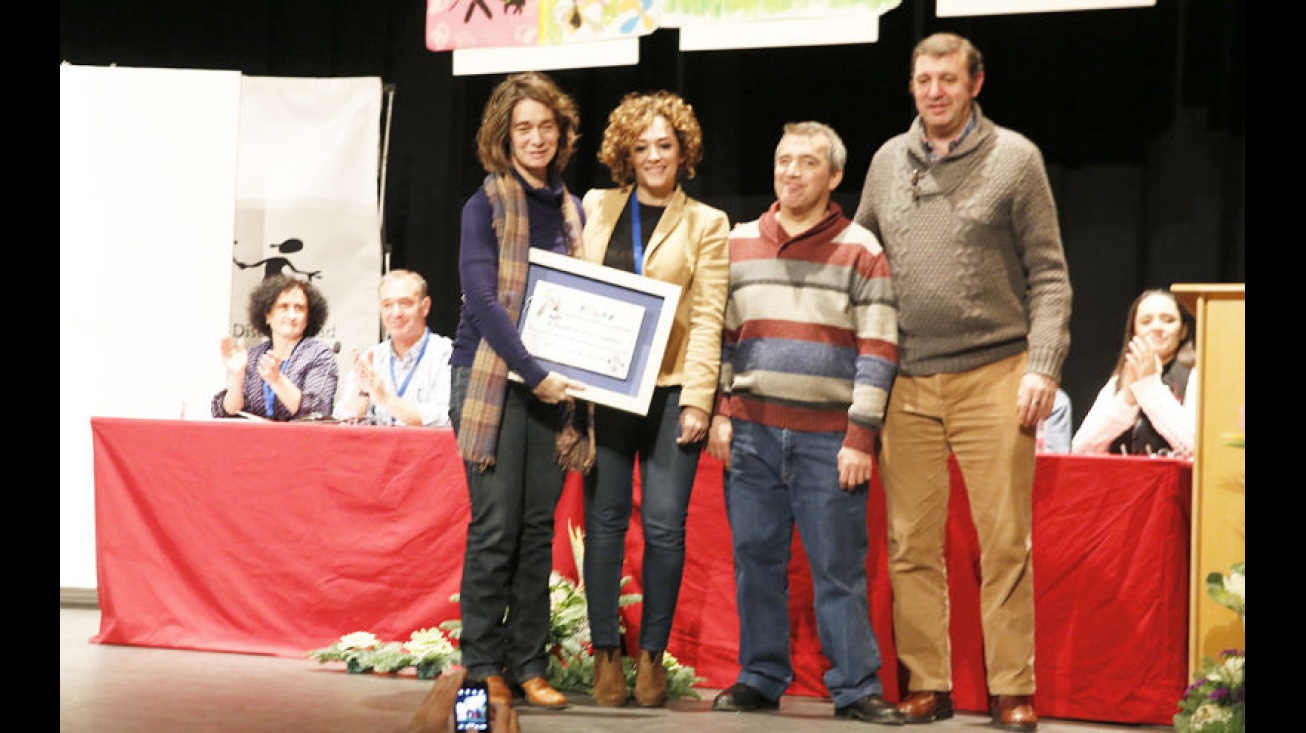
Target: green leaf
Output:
{"points": [[1224, 591]]}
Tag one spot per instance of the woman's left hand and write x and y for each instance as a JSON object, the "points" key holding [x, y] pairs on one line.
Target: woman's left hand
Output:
{"points": [[269, 367], [693, 426]]}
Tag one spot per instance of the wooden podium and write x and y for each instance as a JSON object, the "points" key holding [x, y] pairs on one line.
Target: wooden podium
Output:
{"points": [[1219, 521]]}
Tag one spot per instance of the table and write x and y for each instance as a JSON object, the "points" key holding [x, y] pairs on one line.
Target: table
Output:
{"points": [[260, 538]]}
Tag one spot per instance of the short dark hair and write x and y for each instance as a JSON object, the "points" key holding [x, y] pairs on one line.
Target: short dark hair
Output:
{"points": [[942, 44], [264, 295]]}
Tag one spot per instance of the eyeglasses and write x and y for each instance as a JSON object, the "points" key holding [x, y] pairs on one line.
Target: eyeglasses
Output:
{"points": [[915, 185]]}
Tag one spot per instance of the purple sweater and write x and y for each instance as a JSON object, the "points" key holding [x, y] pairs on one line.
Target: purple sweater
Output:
{"points": [[478, 268]]}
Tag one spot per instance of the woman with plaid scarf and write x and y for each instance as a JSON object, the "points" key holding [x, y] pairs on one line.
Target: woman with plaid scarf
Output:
{"points": [[516, 438]]}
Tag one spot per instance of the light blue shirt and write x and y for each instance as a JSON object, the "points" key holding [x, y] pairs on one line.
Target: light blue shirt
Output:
{"points": [[1057, 428], [427, 387]]}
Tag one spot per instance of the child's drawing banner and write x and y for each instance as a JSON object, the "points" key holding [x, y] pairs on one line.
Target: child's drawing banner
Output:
{"points": [[462, 24]]}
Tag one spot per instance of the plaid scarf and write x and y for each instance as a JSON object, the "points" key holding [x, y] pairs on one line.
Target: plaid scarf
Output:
{"points": [[478, 433]]}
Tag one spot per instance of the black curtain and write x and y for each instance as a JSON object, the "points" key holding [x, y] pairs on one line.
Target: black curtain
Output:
{"points": [[1139, 113]]}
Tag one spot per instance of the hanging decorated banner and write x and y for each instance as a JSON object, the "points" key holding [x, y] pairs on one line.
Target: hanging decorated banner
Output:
{"points": [[682, 13], [709, 25], [465, 24], [955, 8]]}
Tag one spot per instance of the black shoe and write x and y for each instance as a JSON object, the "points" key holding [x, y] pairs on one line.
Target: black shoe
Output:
{"points": [[871, 708], [740, 698]]}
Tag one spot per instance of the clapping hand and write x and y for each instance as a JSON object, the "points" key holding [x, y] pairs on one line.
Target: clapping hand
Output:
{"points": [[1141, 361], [364, 372], [269, 367], [234, 355], [369, 380], [1142, 358]]}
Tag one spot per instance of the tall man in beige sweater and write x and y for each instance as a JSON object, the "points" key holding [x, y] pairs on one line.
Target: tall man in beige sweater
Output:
{"points": [[965, 213]]}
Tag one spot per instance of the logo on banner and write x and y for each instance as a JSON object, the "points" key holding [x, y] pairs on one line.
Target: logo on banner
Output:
{"points": [[282, 265]]}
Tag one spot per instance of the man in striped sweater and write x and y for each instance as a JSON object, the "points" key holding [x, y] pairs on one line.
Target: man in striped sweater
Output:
{"points": [[809, 351]]}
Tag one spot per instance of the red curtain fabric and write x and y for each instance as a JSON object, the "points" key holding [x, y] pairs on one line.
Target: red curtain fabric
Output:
{"points": [[278, 538], [1110, 578]]}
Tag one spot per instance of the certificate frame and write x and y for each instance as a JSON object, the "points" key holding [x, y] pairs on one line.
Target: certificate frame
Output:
{"points": [[657, 298]]}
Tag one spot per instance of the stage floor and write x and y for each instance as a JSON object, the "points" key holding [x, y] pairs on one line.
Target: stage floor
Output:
{"points": [[131, 689]]}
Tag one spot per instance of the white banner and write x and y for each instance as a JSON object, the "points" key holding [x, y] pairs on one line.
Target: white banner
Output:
{"points": [[147, 165], [307, 199], [956, 8]]}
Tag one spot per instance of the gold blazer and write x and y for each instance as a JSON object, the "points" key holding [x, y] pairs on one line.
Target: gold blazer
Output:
{"points": [[687, 248]]}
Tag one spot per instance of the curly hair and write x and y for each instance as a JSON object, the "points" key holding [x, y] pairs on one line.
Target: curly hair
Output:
{"points": [[494, 138], [633, 116], [264, 295]]}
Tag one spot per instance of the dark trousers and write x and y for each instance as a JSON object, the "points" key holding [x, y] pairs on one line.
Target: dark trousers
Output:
{"points": [[504, 594]]}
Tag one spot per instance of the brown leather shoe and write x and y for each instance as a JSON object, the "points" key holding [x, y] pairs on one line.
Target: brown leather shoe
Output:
{"points": [[609, 678], [498, 689], [1013, 712], [926, 706], [650, 680], [542, 695]]}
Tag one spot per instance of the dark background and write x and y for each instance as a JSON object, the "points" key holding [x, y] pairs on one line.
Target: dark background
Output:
{"points": [[1139, 113]]}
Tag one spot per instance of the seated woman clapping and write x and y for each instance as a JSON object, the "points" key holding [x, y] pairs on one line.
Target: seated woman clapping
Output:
{"points": [[1149, 405]]}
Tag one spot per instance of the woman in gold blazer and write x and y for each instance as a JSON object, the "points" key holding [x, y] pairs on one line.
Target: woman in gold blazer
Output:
{"points": [[647, 225]]}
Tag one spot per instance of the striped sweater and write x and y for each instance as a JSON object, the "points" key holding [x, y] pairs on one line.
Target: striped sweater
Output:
{"points": [[811, 329]]}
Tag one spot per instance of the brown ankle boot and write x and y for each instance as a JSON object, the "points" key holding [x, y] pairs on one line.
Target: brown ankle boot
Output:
{"points": [[542, 695], [609, 678], [650, 680]]}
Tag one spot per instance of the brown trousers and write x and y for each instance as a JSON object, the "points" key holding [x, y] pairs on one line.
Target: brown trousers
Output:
{"points": [[971, 415]]}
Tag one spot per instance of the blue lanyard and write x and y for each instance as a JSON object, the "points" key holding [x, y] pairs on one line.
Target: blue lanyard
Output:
{"points": [[400, 389], [268, 397], [636, 234]]}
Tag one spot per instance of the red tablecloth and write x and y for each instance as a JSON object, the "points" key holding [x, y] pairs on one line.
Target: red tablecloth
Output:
{"points": [[261, 538]]}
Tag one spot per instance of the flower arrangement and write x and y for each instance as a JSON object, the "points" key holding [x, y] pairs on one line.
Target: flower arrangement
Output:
{"points": [[1216, 700], [571, 654], [429, 650]]}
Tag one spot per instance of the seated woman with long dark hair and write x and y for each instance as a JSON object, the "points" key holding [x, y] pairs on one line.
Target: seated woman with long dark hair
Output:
{"points": [[1149, 405]]}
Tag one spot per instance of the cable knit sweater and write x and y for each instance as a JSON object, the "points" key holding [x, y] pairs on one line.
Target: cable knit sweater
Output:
{"points": [[975, 251], [810, 329]]}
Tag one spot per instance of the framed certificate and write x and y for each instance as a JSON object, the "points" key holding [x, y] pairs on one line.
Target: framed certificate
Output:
{"points": [[605, 327]]}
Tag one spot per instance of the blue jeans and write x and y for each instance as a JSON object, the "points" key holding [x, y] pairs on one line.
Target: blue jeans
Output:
{"points": [[781, 479], [666, 476], [504, 595]]}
